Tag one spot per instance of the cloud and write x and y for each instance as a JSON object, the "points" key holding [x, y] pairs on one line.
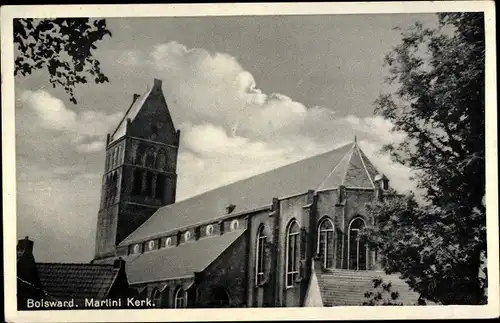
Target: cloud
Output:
{"points": [[375, 127], [215, 88], [233, 127], [79, 128], [130, 58]]}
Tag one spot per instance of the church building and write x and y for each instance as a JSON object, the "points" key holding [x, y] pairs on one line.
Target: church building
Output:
{"points": [[285, 238]]}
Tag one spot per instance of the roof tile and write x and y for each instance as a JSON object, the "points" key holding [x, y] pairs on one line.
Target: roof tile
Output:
{"points": [[181, 261], [248, 194], [348, 287], [78, 281]]}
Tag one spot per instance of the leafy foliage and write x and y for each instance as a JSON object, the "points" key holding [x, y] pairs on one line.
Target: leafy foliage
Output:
{"points": [[439, 106], [62, 46], [383, 294]]}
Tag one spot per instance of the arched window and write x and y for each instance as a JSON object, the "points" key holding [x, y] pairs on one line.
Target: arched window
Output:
{"points": [[325, 247], [113, 154], [107, 161], [219, 298], [139, 153], [260, 255], [138, 178], [357, 246], [150, 157], [156, 296], [111, 189], [161, 159], [234, 225], [180, 298], [160, 187], [292, 253], [149, 184], [117, 151]]}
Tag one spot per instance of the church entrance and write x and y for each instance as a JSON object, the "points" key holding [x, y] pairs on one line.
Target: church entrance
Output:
{"points": [[218, 298]]}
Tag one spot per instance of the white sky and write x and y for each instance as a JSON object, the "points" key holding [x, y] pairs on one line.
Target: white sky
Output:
{"points": [[248, 93]]}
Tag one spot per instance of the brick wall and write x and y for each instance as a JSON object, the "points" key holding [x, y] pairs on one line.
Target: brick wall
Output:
{"points": [[259, 296], [228, 271], [291, 208]]}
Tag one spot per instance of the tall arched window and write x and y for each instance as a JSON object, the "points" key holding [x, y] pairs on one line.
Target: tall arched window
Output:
{"points": [[149, 184], [114, 189], [180, 298], [156, 296], [325, 249], [107, 161], [160, 187], [113, 156], [119, 155], [260, 255], [160, 159], [111, 189], [292, 253], [149, 158], [138, 178], [357, 246]]}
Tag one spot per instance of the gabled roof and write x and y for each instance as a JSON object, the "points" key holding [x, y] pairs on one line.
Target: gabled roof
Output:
{"points": [[76, 281], [345, 165], [176, 262], [131, 113], [348, 287]]}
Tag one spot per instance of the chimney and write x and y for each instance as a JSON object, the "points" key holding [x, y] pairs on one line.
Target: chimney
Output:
{"points": [[25, 247], [341, 195], [119, 263], [230, 208], [310, 196], [381, 185], [157, 84], [127, 125], [135, 97]]}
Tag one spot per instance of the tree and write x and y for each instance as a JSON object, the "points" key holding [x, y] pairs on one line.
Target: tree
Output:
{"points": [[63, 46], [439, 105], [383, 294]]}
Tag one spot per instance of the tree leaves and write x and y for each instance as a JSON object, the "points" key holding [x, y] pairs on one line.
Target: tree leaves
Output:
{"points": [[382, 294], [63, 47], [439, 105]]}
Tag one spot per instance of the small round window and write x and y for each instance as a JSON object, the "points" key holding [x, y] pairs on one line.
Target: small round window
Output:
{"points": [[151, 244], [235, 224], [137, 248], [168, 242], [209, 230], [187, 235]]}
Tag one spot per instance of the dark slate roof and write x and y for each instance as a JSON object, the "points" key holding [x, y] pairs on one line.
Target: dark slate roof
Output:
{"points": [[348, 287], [176, 262], [78, 281], [344, 165], [131, 113]]}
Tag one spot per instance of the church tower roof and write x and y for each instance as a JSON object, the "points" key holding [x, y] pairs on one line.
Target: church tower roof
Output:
{"points": [[138, 102]]}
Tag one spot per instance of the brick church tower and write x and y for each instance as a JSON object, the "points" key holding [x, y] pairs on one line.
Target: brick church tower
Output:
{"points": [[140, 172]]}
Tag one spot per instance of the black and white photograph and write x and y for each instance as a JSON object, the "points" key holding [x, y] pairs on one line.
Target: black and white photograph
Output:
{"points": [[238, 159]]}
